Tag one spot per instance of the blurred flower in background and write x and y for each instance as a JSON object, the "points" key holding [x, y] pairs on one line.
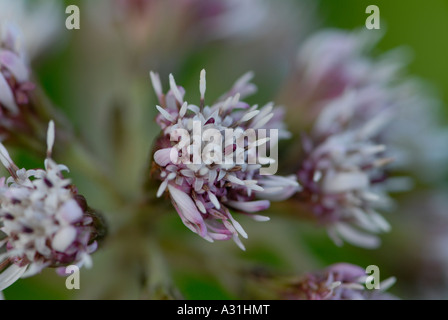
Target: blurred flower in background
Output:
{"points": [[342, 174], [337, 282], [15, 83], [24, 108], [347, 97], [38, 23]]}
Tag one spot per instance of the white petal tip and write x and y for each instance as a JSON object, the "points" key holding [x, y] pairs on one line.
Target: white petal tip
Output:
{"points": [[50, 137]]}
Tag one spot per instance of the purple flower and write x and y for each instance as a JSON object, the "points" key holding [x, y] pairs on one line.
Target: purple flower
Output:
{"points": [[14, 75], [204, 192], [45, 222], [15, 83], [342, 174], [332, 62], [340, 281], [358, 105]]}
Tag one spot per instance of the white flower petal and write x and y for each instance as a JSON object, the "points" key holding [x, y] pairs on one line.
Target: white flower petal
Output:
{"points": [[163, 157], [6, 96], [70, 212], [64, 238], [357, 238], [249, 206], [345, 181], [185, 205], [14, 64], [10, 275]]}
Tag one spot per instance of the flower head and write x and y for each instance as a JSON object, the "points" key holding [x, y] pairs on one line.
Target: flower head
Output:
{"points": [[45, 222], [19, 43], [204, 191], [14, 77], [340, 281], [342, 175]]}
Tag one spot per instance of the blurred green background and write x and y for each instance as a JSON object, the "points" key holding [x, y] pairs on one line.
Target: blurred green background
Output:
{"points": [[67, 79]]}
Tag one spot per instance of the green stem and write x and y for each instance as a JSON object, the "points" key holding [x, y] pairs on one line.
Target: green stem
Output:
{"points": [[94, 169], [158, 284]]}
